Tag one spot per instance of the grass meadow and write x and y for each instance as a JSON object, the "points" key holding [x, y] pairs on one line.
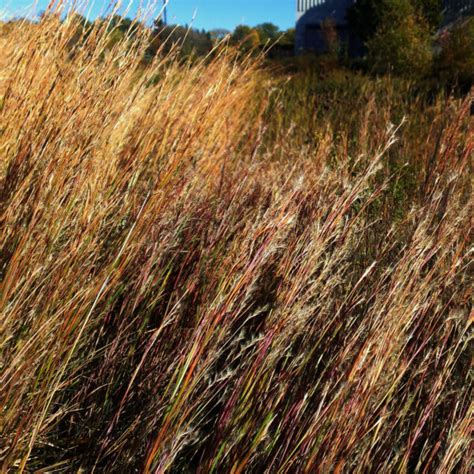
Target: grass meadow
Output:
{"points": [[220, 266]]}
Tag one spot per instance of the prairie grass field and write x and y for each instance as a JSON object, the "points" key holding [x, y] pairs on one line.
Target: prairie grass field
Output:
{"points": [[220, 266]]}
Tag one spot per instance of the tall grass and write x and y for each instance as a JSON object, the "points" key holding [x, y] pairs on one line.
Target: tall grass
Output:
{"points": [[206, 268]]}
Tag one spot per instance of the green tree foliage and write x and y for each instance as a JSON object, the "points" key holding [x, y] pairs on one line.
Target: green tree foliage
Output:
{"points": [[268, 32], [82, 29], [288, 37], [431, 10], [366, 16], [120, 23], [246, 38], [118, 28], [402, 43], [189, 41], [240, 33], [456, 59]]}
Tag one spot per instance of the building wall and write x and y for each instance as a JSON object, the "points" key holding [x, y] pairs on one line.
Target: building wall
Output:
{"points": [[311, 14], [302, 6], [322, 9]]}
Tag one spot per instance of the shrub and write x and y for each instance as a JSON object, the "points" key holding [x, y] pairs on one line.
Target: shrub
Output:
{"points": [[402, 43], [455, 63]]}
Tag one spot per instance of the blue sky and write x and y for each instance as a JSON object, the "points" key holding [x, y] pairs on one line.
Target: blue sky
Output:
{"points": [[208, 14]]}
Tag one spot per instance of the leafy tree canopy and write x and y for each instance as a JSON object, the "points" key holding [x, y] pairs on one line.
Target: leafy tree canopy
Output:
{"points": [[245, 37], [268, 32], [365, 16], [456, 60], [402, 42]]}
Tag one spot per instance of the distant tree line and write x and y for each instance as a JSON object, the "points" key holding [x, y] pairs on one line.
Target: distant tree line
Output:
{"points": [[401, 37], [200, 42], [189, 41]]}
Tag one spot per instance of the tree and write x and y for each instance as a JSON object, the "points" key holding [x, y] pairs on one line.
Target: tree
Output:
{"points": [[81, 30], [289, 37], [190, 42], [120, 23], [365, 16], [402, 43], [456, 60], [118, 28], [268, 32], [219, 34], [431, 10], [246, 38], [240, 33]]}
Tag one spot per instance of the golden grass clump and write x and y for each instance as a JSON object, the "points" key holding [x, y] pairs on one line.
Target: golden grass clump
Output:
{"points": [[201, 270]]}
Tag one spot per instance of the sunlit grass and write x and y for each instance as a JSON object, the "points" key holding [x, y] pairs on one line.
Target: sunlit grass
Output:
{"points": [[206, 268]]}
